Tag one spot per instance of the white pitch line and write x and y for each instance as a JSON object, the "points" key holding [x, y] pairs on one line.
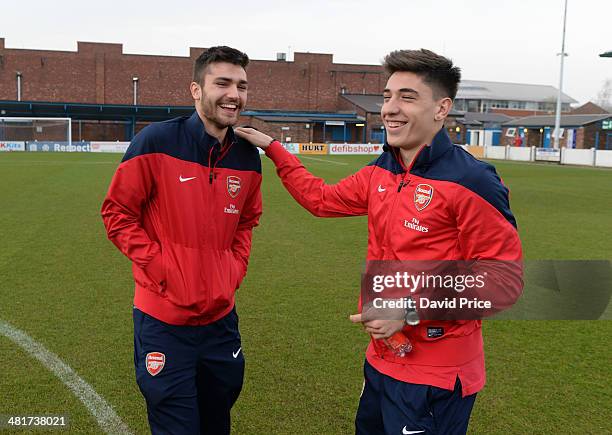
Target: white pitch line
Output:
{"points": [[107, 418], [323, 160]]}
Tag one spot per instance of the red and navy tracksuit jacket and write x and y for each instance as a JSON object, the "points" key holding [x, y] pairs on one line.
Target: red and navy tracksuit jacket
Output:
{"points": [[447, 206], [182, 207]]}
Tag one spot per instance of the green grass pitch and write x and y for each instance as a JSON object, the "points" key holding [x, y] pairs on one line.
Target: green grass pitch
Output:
{"points": [[63, 283]]}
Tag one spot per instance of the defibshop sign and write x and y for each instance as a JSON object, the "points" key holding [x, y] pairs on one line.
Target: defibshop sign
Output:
{"points": [[355, 148]]}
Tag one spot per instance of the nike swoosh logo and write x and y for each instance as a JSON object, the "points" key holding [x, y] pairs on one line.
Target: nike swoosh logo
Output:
{"points": [[235, 354], [381, 189], [182, 180], [408, 432]]}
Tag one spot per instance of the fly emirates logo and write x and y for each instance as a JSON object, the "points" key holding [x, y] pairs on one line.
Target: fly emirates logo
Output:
{"points": [[415, 224], [231, 209]]}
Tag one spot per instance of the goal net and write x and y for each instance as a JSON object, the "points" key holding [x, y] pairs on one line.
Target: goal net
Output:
{"points": [[16, 134]]}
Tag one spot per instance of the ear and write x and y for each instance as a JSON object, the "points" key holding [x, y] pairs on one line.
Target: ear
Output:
{"points": [[442, 108], [196, 91]]}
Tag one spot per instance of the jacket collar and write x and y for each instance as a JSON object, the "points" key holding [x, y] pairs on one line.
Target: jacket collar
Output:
{"points": [[440, 144], [196, 128]]}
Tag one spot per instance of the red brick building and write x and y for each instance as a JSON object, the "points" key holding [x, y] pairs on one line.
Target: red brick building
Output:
{"points": [[99, 76], [110, 95], [578, 131]]}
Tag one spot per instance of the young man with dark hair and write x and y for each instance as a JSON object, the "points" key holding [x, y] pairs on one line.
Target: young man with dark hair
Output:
{"points": [[463, 213], [181, 207]]}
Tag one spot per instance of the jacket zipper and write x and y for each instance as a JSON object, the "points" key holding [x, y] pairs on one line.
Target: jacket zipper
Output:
{"points": [[391, 212], [399, 188], [213, 176], [211, 166]]}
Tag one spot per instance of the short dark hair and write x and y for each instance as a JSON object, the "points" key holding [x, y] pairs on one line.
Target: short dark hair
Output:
{"points": [[218, 54], [435, 70]]}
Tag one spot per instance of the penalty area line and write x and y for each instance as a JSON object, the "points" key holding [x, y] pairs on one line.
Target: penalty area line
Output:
{"points": [[106, 417]]}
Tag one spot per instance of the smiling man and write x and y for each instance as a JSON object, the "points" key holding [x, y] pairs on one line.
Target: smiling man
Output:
{"points": [[426, 199], [181, 207]]}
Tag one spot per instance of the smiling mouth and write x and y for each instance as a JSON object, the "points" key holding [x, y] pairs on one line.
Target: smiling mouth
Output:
{"points": [[229, 107], [395, 124]]}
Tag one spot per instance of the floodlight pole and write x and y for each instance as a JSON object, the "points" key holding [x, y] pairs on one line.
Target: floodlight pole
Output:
{"points": [[558, 112], [135, 81], [18, 75]]}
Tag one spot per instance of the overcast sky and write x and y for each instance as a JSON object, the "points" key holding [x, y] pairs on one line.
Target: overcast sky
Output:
{"points": [[514, 41]]}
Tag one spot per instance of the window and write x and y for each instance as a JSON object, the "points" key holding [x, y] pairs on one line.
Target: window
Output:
{"points": [[511, 132], [460, 105], [516, 104], [377, 134], [546, 106], [494, 104]]}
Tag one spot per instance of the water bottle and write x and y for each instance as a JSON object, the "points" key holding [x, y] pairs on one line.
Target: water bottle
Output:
{"points": [[399, 344]]}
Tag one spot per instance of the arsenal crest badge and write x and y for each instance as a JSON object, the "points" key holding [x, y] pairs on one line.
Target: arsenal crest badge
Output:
{"points": [[422, 196], [233, 186], [155, 362]]}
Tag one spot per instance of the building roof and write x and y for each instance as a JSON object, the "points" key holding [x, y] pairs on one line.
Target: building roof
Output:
{"points": [[288, 116], [93, 111], [117, 112], [369, 103], [373, 103], [588, 109], [471, 123], [549, 121], [485, 117], [484, 90], [307, 119]]}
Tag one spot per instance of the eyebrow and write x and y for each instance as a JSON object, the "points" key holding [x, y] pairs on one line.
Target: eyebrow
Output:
{"points": [[227, 79], [409, 90]]}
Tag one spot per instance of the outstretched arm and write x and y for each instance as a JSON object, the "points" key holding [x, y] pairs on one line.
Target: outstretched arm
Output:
{"points": [[348, 197]]}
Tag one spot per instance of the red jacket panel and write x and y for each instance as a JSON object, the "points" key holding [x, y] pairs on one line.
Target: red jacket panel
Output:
{"points": [[182, 208], [447, 206]]}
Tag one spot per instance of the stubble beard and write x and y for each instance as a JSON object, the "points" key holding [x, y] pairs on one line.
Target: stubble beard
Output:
{"points": [[209, 109]]}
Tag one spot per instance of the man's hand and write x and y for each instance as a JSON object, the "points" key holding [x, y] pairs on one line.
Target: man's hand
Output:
{"points": [[257, 138], [379, 328]]}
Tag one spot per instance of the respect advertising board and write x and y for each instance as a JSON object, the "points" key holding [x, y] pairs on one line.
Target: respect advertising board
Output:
{"points": [[65, 147]]}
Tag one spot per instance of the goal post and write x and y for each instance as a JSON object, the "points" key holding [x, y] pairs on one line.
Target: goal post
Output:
{"points": [[15, 132]]}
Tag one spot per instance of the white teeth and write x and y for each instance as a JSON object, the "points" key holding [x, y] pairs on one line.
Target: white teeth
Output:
{"points": [[229, 106], [395, 124]]}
